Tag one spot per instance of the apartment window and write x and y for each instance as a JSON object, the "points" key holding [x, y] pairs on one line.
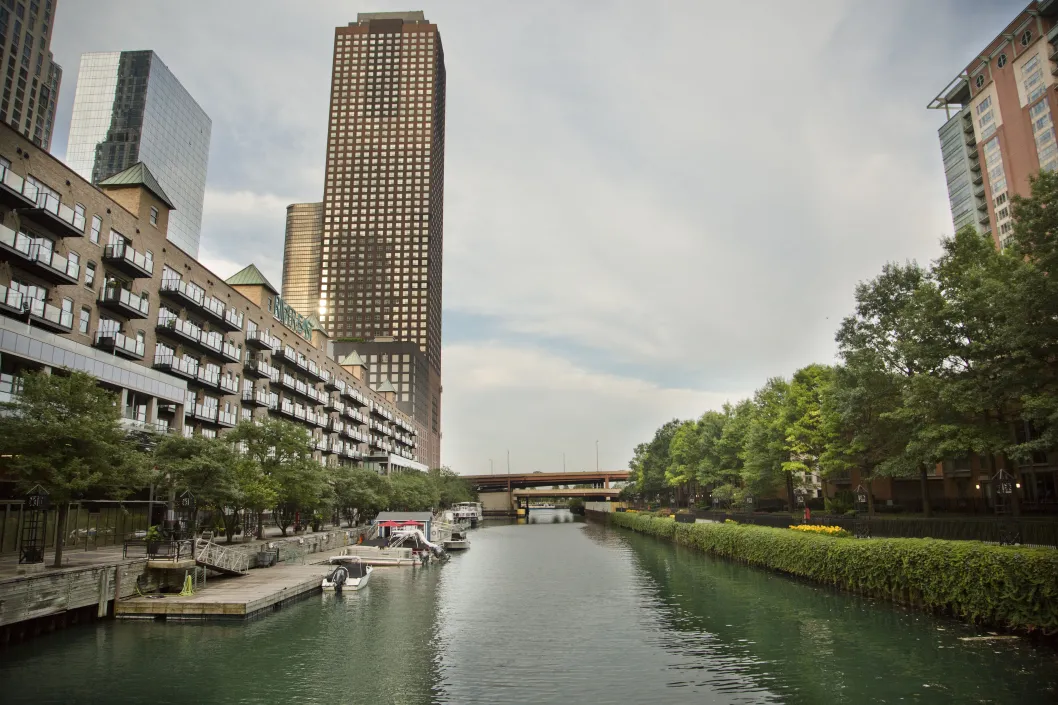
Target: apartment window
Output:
{"points": [[86, 316], [97, 225], [154, 216], [90, 274]]}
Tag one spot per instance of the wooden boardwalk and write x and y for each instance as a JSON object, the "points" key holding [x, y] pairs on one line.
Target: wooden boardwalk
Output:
{"points": [[230, 598]]}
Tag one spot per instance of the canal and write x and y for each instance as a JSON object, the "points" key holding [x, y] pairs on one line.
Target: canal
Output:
{"points": [[556, 611]]}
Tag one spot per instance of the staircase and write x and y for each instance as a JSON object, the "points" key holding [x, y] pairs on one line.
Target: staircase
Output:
{"points": [[221, 558]]}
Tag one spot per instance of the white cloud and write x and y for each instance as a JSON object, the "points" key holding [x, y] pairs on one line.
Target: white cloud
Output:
{"points": [[539, 406]]}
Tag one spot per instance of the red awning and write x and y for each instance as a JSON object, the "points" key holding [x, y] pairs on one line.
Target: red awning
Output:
{"points": [[413, 523], [389, 524]]}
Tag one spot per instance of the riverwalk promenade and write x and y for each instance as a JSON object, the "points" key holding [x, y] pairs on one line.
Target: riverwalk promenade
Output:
{"points": [[96, 584]]}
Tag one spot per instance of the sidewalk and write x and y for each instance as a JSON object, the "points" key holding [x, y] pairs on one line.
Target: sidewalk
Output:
{"points": [[75, 558]]}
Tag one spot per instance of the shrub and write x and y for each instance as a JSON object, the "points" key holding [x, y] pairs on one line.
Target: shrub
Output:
{"points": [[841, 502], [996, 585], [822, 530]]}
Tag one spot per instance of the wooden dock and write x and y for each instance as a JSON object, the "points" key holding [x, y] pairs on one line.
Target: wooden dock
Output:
{"points": [[238, 597]]}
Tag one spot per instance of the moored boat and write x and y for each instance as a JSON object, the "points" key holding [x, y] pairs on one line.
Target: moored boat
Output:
{"points": [[351, 573], [458, 541]]}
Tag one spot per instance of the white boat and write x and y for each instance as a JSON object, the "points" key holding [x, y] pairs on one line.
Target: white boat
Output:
{"points": [[458, 542], [350, 574], [467, 513]]}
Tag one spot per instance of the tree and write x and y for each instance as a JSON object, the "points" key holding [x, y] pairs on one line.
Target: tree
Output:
{"points": [[283, 451], [197, 464], [807, 436], [452, 488], [685, 454], [360, 493], [413, 491], [651, 460], [62, 433], [765, 448]]}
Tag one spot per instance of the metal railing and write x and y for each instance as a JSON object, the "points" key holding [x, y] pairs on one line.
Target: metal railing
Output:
{"points": [[221, 557]]}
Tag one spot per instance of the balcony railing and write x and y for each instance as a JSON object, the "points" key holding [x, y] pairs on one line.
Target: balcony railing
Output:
{"points": [[182, 290], [212, 341], [226, 418], [16, 190], [185, 329], [128, 260], [213, 307], [206, 413], [49, 316], [262, 340], [209, 376], [49, 265], [124, 301], [229, 351], [229, 384], [183, 366], [233, 319], [119, 343], [54, 212], [255, 396], [11, 299]]}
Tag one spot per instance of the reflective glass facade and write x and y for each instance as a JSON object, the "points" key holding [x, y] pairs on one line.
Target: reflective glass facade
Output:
{"points": [[128, 108], [301, 257]]}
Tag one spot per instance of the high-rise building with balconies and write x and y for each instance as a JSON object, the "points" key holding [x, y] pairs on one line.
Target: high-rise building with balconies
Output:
{"points": [[1000, 126]]}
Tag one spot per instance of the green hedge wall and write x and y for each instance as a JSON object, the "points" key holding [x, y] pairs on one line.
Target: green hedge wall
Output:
{"points": [[1016, 588]]}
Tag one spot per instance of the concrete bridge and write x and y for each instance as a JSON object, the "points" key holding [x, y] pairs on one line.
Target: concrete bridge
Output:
{"points": [[502, 494]]}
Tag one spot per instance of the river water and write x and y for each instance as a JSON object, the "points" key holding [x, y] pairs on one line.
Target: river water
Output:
{"points": [[556, 611]]}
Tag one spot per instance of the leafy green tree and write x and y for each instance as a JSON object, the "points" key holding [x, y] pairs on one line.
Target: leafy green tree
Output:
{"points": [[451, 487], [413, 491], [651, 460], [765, 448], [360, 493], [200, 465], [731, 447], [685, 454], [62, 433], [807, 436], [283, 451]]}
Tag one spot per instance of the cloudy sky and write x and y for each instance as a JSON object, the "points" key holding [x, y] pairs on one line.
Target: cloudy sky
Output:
{"points": [[650, 207]]}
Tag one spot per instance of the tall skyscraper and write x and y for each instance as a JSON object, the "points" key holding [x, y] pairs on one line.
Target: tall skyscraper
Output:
{"points": [[1000, 127], [302, 248], [129, 108], [384, 194], [31, 76]]}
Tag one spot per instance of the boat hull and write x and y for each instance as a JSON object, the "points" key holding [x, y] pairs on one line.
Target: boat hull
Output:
{"points": [[457, 545]]}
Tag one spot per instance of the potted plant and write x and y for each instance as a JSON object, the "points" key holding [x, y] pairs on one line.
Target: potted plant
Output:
{"points": [[153, 539]]}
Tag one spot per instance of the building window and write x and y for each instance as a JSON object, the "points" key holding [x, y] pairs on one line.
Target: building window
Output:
{"points": [[979, 81], [154, 216], [1002, 61], [90, 274], [86, 316], [97, 225], [1026, 38]]}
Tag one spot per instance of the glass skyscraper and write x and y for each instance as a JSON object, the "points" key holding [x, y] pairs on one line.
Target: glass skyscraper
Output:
{"points": [[129, 108]]}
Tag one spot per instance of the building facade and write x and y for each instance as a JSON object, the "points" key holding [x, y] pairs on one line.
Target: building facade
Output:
{"points": [[89, 281], [31, 76], [129, 108], [302, 248], [1000, 126], [383, 199]]}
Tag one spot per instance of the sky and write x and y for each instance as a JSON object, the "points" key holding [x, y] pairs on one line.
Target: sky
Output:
{"points": [[650, 209]]}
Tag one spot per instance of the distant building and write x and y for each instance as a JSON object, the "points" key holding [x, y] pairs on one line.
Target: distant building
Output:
{"points": [[301, 257], [31, 76], [1000, 128], [129, 108]]}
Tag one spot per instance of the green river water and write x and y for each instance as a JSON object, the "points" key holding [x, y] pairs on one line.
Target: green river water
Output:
{"points": [[556, 611]]}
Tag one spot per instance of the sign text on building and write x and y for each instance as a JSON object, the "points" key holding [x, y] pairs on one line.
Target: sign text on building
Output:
{"points": [[291, 318]]}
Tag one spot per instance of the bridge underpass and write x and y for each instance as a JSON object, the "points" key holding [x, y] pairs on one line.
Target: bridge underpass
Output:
{"points": [[501, 494]]}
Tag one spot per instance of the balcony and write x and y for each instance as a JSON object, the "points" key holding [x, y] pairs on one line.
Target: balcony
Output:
{"points": [[257, 368], [42, 261], [213, 308], [232, 320], [286, 407], [978, 179], [119, 344], [185, 367], [229, 352], [337, 426], [50, 317], [229, 385], [320, 444], [983, 217], [128, 261], [300, 412], [314, 371], [11, 300], [339, 384], [287, 353], [226, 418], [211, 341], [261, 340], [206, 413], [56, 216], [123, 302], [160, 426], [15, 191], [208, 377], [178, 328], [329, 381], [288, 382], [337, 446], [182, 292], [255, 396]]}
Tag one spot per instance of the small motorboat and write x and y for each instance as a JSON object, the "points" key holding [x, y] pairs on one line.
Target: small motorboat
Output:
{"points": [[458, 542], [350, 574]]}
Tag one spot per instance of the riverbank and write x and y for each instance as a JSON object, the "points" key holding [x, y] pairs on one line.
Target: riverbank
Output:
{"points": [[998, 586]]}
